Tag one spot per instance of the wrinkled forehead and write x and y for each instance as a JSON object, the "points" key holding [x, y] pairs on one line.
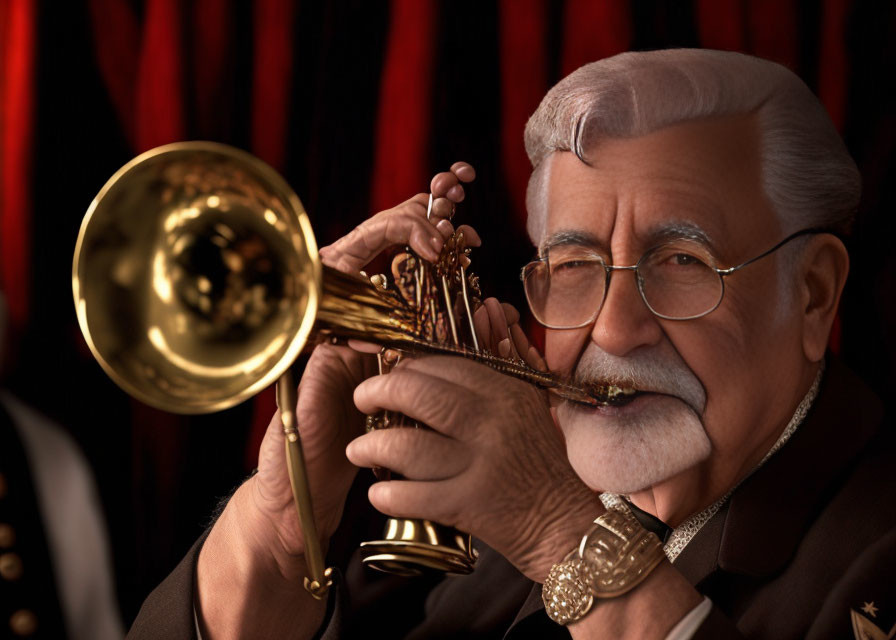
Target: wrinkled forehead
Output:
{"points": [[701, 179]]}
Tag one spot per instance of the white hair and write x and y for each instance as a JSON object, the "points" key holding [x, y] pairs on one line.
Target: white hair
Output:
{"points": [[807, 173]]}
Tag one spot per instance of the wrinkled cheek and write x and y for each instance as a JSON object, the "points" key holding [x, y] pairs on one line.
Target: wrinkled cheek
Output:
{"points": [[562, 348], [581, 457]]}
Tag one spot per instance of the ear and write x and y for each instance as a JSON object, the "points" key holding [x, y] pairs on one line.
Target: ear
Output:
{"points": [[824, 267]]}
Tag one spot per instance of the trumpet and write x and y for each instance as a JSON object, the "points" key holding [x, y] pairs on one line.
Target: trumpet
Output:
{"points": [[197, 283]]}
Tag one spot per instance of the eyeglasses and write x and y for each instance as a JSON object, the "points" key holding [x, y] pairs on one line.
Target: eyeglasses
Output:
{"points": [[678, 280]]}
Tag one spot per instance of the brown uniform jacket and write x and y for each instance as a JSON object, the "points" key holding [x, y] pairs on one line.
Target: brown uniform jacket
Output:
{"points": [[805, 548]]}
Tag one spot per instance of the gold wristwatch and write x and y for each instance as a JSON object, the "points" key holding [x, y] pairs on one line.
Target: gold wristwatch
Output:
{"points": [[614, 557]]}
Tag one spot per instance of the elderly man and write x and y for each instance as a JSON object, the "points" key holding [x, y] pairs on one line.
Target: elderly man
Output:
{"points": [[685, 206]]}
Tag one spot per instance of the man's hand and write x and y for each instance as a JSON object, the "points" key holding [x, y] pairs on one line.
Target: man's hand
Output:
{"points": [[493, 463], [407, 224], [498, 331], [251, 567]]}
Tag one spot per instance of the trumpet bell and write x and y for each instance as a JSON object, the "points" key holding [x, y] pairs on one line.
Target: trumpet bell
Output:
{"points": [[196, 277]]}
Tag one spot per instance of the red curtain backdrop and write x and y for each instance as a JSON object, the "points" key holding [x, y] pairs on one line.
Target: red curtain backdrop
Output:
{"points": [[356, 103], [17, 53], [594, 30], [403, 124], [524, 80]]}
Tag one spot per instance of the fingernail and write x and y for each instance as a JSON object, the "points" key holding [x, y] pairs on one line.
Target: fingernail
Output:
{"points": [[437, 245], [504, 347]]}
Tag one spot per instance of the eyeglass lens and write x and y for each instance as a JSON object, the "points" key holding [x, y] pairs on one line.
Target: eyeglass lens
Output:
{"points": [[677, 281]]}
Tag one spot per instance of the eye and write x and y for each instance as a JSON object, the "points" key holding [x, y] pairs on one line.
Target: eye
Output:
{"points": [[568, 265], [575, 267], [684, 260], [677, 259]]}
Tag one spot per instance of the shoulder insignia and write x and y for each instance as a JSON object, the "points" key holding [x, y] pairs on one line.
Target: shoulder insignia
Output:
{"points": [[864, 628]]}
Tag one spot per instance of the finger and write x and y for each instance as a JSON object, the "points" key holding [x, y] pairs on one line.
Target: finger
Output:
{"points": [[417, 454], [463, 379], [449, 183], [470, 236], [406, 224], [483, 330], [414, 499], [445, 228], [519, 340], [364, 347], [431, 399], [442, 208], [464, 171], [443, 183], [535, 359], [498, 323], [510, 312], [526, 350], [270, 454]]}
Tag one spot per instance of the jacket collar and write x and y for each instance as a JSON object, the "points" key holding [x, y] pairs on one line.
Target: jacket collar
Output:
{"points": [[767, 516]]}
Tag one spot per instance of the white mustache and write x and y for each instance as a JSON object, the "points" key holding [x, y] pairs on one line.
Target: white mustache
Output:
{"points": [[642, 370]]}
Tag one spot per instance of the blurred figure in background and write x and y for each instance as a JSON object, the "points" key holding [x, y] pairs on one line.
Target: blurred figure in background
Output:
{"points": [[55, 570]]}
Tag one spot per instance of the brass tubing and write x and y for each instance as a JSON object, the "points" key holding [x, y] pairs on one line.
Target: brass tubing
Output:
{"points": [[287, 398]]}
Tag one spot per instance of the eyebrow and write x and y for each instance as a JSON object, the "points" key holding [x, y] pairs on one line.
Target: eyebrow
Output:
{"points": [[567, 237], [678, 230]]}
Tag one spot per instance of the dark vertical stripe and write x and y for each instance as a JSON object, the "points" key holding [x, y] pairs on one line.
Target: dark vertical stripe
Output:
{"points": [[831, 78], [807, 35], [116, 40], [307, 40], [15, 156], [158, 464], [869, 307], [467, 125], [832, 67], [351, 43], [657, 25]]}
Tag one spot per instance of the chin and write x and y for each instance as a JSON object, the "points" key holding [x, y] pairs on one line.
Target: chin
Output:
{"points": [[633, 448]]}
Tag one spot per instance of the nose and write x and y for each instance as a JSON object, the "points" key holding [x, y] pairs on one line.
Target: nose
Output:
{"points": [[625, 323]]}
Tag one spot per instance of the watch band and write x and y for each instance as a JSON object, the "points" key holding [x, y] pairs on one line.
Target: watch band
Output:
{"points": [[614, 557]]}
